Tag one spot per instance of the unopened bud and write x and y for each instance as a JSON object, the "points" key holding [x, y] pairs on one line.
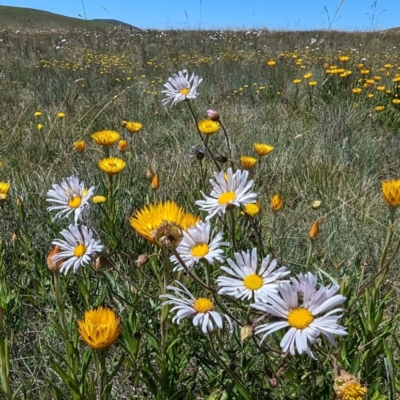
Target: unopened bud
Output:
{"points": [[316, 204], [200, 153], [221, 158], [248, 376], [122, 146], [155, 182], [54, 266], [101, 262], [213, 115], [142, 260], [314, 231], [246, 332], [150, 173], [273, 382], [276, 202], [14, 236]]}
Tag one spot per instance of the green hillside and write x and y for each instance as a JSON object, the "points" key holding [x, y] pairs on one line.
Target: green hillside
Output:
{"points": [[17, 17]]}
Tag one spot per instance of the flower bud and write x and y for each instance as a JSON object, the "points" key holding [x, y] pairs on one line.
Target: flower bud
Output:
{"points": [[213, 115], [101, 262], [314, 231], [150, 173], [221, 158], [142, 260], [200, 153], [51, 265], [316, 204], [276, 202], [155, 182], [79, 146], [246, 332], [122, 146]]}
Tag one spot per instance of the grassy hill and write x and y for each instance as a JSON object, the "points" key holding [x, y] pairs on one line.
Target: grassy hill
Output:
{"points": [[18, 17]]}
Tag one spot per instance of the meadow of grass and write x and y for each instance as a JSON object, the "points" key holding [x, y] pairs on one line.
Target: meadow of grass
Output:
{"points": [[329, 104]]}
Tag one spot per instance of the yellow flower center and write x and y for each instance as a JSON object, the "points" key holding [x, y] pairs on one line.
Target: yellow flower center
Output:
{"points": [[352, 391], [80, 250], [200, 250], [112, 163], [203, 305], [253, 281], [185, 91], [226, 198], [75, 202], [300, 318]]}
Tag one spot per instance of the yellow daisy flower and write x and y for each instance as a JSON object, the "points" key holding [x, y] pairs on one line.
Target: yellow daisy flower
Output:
{"points": [[132, 126], [208, 127], [100, 328], [106, 138], [112, 165], [155, 220], [262, 149], [247, 162], [391, 192], [4, 188]]}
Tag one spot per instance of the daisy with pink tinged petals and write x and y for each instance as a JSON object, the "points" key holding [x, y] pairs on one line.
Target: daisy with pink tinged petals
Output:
{"points": [[180, 87], [248, 281], [202, 309], [69, 197], [197, 245], [229, 190], [317, 314]]}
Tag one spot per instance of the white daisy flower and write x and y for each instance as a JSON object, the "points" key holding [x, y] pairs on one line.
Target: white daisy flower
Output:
{"points": [[248, 283], [70, 196], [196, 245], [78, 247], [202, 309], [180, 87], [229, 190], [317, 314]]}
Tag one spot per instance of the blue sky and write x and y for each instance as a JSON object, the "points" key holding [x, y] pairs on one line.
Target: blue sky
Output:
{"points": [[231, 14]]}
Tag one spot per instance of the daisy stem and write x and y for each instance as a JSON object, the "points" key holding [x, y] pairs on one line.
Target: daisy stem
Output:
{"points": [[389, 236], [110, 197], [257, 170], [101, 372], [4, 368], [191, 274], [310, 252], [228, 145], [244, 392], [233, 228], [164, 314], [201, 136]]}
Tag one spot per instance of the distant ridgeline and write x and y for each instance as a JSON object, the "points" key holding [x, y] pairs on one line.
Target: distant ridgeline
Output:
{"points": [[18, 17]]}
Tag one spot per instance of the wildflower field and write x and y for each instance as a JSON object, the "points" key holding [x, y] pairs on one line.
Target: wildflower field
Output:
{"points": [[199, 215]]}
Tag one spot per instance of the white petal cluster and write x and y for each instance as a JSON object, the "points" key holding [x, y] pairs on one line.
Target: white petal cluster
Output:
{"points": [[318, 314], [180, 87], [229, 190], [197, 244], [69, 197], [185, 306], [77, 248], [248, 281]]}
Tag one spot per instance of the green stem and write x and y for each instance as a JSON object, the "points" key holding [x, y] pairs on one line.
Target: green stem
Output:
{"points": [[233, 228], [228, 145], [102, 373], [236, 379], [4, 369], [310, 252], [164, 313]]}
